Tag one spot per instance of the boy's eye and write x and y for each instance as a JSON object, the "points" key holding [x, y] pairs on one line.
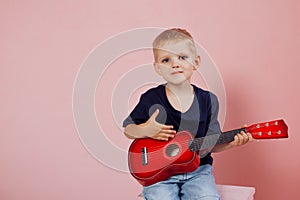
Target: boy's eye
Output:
{"points": [[165, 60], [182, 57]]}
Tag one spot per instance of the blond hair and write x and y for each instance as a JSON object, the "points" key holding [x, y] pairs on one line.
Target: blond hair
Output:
{"points": [[173, 35]]}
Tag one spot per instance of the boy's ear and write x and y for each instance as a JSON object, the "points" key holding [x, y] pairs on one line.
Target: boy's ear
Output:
{"points": [[197, 62], [156, 67]]}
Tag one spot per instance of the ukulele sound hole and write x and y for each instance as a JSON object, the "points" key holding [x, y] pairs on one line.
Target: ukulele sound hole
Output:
{"points": [[172, 150]]}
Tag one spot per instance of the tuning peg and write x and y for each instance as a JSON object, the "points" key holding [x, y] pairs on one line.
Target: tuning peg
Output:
{"points": [[259, 133], [269, 133]]}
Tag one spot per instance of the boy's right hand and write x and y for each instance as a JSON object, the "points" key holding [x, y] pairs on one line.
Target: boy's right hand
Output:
{"points": [[158, 131]]}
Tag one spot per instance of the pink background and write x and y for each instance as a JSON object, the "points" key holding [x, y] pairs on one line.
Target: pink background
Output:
{"points": [[43, 43]]}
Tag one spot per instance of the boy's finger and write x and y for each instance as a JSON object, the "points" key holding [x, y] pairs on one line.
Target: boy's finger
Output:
{"points": [[155, 114], [235, 141], [169, 131], [167, 126], [168, 135], [242, 138], [250, 137]]}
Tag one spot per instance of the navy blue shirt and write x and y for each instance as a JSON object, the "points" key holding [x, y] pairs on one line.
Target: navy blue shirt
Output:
{"points": [[200, 119]]}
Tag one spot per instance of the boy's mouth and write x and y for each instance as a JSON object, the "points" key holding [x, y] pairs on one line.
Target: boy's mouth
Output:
{"points": [[176, 72]]}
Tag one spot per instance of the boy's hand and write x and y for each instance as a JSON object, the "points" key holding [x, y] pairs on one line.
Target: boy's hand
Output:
{"points": [[158, 131], [241, 139]]}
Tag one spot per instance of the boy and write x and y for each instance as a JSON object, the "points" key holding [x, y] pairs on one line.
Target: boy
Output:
{"points": [[179, 105]]}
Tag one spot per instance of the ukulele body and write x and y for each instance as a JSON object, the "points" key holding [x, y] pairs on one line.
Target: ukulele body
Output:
{"points": [[151, 160]]}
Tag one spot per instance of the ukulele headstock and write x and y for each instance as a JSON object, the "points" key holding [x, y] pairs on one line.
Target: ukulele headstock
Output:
{"points": [[268, 130]]}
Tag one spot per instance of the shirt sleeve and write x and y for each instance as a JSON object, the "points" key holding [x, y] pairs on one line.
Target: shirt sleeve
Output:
{"points": [[213, 122], [139, 114]]}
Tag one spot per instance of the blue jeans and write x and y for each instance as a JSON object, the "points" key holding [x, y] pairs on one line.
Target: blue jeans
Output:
{"points": [[196, 185]]}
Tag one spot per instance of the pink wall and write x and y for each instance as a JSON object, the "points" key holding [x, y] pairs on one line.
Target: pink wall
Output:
{"points": [[43, 44]]}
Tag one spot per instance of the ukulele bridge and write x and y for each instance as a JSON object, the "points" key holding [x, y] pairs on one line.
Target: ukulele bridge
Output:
{"points": [[144, 156]]}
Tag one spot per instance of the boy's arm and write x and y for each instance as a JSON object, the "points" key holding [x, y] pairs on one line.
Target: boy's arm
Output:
{"points": [[151, 128], [214, 127], [240, 139]]}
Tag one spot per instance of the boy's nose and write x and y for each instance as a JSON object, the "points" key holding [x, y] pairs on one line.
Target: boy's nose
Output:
{"points": [[175, 63]]}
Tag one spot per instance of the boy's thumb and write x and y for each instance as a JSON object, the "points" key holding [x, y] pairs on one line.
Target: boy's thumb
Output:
{"points": [[155, 114]]}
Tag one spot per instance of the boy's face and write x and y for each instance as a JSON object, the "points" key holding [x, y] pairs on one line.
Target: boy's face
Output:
{"points": [[176, 61]]}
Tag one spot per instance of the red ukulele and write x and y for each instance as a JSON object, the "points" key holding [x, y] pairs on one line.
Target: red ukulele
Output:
{"points": [[151, 161]]}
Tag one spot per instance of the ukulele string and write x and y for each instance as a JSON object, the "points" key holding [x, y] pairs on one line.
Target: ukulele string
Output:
{"points": [[202, 138], [159, 149], [197, 142]]}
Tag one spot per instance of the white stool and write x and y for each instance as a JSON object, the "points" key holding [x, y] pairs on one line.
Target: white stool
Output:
{"points": [[231, 192]]}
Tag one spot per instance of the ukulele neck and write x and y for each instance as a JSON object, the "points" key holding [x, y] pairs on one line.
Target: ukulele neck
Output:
{"points": [[212, 140]]}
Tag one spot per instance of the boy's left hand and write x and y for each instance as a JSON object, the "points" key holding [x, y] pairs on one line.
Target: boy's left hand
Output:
{"points": [[241, 139]]}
